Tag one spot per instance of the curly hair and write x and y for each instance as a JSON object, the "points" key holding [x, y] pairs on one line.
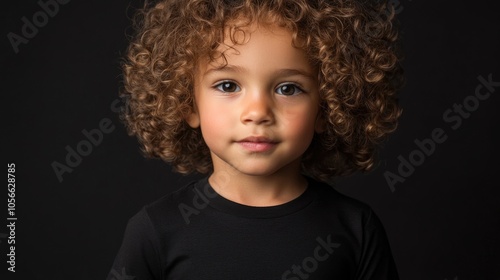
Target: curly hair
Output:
{"points": [[353, 44]]}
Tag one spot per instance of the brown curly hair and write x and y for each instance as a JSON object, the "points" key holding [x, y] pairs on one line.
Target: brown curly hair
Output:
{"points": [[353, 44]]}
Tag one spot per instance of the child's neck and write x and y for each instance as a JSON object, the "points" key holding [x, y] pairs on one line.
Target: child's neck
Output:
{"points": [[269, 190]]}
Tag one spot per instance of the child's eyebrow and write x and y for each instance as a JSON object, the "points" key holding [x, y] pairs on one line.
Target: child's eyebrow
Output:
{"points": [[280, 73]]}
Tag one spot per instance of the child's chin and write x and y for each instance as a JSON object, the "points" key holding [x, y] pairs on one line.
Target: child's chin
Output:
{"points": [[260, 170]]}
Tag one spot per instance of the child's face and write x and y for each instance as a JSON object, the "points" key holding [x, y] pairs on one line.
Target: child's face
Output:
{"points": [[258, 114]]}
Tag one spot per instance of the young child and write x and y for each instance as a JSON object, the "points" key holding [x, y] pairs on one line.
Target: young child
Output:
{"points": [[270, 99]]}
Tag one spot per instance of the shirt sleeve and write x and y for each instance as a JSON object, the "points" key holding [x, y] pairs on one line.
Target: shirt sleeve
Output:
{"points": [[376, 260], [138, 257]]}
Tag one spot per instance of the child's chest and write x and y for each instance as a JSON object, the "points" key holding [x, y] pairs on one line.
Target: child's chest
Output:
{"points": [[301, 247]]}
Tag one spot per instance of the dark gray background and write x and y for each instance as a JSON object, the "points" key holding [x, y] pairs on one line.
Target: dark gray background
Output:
{"points": [[443, 221]]}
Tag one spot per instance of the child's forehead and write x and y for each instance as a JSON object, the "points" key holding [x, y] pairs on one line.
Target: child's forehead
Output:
{"points": [[237, 34], [240, 30], [257, 44]]}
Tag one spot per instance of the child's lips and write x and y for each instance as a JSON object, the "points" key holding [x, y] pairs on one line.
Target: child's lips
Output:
{"points": [[257, 143]]}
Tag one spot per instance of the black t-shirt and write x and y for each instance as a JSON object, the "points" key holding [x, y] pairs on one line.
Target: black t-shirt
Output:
{"points": [[194, 233]]}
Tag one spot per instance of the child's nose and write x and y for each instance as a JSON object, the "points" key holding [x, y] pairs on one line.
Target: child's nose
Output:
{"points": [[258, 109]]}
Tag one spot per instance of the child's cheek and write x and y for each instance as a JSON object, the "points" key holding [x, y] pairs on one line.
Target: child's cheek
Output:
{"points": [[299, 128], [216, 122], [299, 118]]}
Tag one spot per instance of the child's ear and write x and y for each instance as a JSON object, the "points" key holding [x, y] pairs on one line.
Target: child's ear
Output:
{"points": [[193, 119]]}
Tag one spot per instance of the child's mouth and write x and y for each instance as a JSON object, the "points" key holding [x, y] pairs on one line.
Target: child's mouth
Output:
{"points": [[257, 144]]}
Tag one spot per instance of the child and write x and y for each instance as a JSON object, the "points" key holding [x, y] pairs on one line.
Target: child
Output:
{"points": [[270, 99]]}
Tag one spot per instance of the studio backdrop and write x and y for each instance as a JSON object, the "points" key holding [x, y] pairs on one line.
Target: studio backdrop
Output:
{"points": [[74, 176]]}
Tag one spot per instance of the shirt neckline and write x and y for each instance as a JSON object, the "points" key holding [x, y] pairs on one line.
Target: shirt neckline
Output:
{"points": [[223, 204]]}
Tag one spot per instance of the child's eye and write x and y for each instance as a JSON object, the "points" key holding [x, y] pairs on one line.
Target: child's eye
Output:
{"points": [[227, 86], [288, 89]]}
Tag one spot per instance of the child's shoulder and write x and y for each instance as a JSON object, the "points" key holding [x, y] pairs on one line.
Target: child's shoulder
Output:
{"points": [[333, 202], [330, 195], [170, 207], [169, 214], [193, 196], [178, 208]]}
